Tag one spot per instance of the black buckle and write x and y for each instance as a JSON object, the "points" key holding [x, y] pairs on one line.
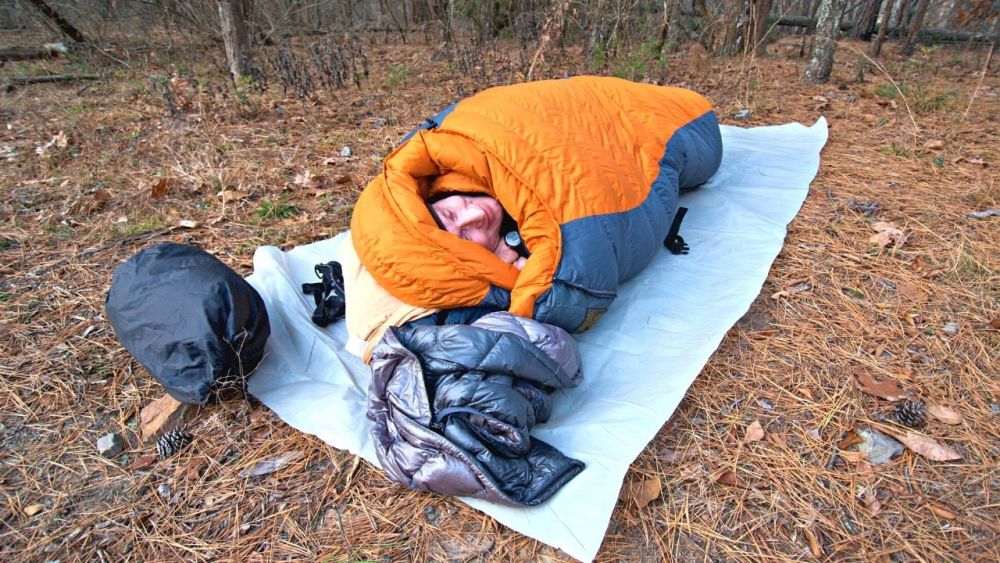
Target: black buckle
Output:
{"points": [[676, 245], [328, 293], [674, 242]]}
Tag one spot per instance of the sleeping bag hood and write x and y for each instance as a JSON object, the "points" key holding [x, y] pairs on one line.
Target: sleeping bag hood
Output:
{"points": [[589, 168]]}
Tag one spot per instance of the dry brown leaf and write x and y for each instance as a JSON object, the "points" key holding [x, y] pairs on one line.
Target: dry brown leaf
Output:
{"points": [[806, 393], [871, 502], [904, 374], [308, 180], [814, 545], [911, 292], [887, 390], [270, 465], [754, 432], [690, 471], [944, 414], [995, 324], [161, 187], [886, 234], [850, 439], [102, 196], [143, 462], [671, 456], [864, 468], [776, 439], [645, 491], [934, 144], [729, 478], [229, 195], [928, 447], [853, 457], [799, 286], [940, 511]]}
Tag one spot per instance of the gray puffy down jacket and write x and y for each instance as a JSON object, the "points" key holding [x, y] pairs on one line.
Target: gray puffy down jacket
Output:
{"points": [[453, 406]]}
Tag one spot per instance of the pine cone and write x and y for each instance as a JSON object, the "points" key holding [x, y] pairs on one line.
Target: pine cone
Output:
{"points": [[173, 442], [910, 413]]}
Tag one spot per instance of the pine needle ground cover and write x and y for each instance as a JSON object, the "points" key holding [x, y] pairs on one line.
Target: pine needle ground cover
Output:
{"points": [[887, 291]]}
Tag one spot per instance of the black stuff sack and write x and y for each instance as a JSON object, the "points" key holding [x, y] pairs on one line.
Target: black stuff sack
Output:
{"points": [[190, 320]]}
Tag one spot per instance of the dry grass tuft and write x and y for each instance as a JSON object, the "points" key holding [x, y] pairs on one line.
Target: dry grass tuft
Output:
{"points": [[919, 314]]}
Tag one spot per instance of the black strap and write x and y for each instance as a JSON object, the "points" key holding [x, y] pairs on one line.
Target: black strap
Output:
{"points": [[328, 293], [674, 243]]}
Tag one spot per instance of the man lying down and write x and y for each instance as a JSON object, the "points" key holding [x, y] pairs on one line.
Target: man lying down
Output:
{"points": [[497, 227]]}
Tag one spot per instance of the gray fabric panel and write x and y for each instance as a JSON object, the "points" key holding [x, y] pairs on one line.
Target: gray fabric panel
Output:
{"points": [[602, 251]]}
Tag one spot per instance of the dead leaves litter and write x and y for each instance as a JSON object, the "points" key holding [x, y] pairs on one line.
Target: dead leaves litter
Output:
{"points": [[143, 462], [230, 195], [308, 180], [852, 438], [814, 545], [910, 292], [161, 187], [886, 234], [271, 464], [645, 491], [729, 478], [888, 390], [754, 433], [944, 414], [928, 447], [940, 511]]}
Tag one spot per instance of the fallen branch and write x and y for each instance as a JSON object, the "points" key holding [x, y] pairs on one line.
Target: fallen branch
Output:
{"points": [[8, 84], [926, 35], [26, 53]]}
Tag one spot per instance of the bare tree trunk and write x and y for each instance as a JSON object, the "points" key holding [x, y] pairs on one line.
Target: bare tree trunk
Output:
{"points": [[864, 25], [883, 28], [668, 9], [734, 20], [759, 10], [918, 21], [63, 25], [810, 13], [904, 16], [236, 36], [827, 28]]}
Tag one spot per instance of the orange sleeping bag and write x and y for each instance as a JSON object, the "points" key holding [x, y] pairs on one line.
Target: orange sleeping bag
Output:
{"points": [[589, 168]]}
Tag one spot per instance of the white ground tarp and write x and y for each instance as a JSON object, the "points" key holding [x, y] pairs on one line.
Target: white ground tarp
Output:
{"points": [[638, 361]]}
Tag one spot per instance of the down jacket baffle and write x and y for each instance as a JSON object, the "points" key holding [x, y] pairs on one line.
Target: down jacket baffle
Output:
{"points": [[452, 407]]}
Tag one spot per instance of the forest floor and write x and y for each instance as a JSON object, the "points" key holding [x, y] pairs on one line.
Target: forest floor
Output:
{"points": [[756, 463]]}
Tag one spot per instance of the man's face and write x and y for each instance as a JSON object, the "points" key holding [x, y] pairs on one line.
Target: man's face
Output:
{"points": [[473, 218]]}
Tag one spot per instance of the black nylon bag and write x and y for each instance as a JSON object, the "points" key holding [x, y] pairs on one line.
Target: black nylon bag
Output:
{"points": [[190, 320]]}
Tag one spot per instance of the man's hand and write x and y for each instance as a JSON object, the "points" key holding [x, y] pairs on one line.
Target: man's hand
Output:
{"points": [[509, 255]]}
